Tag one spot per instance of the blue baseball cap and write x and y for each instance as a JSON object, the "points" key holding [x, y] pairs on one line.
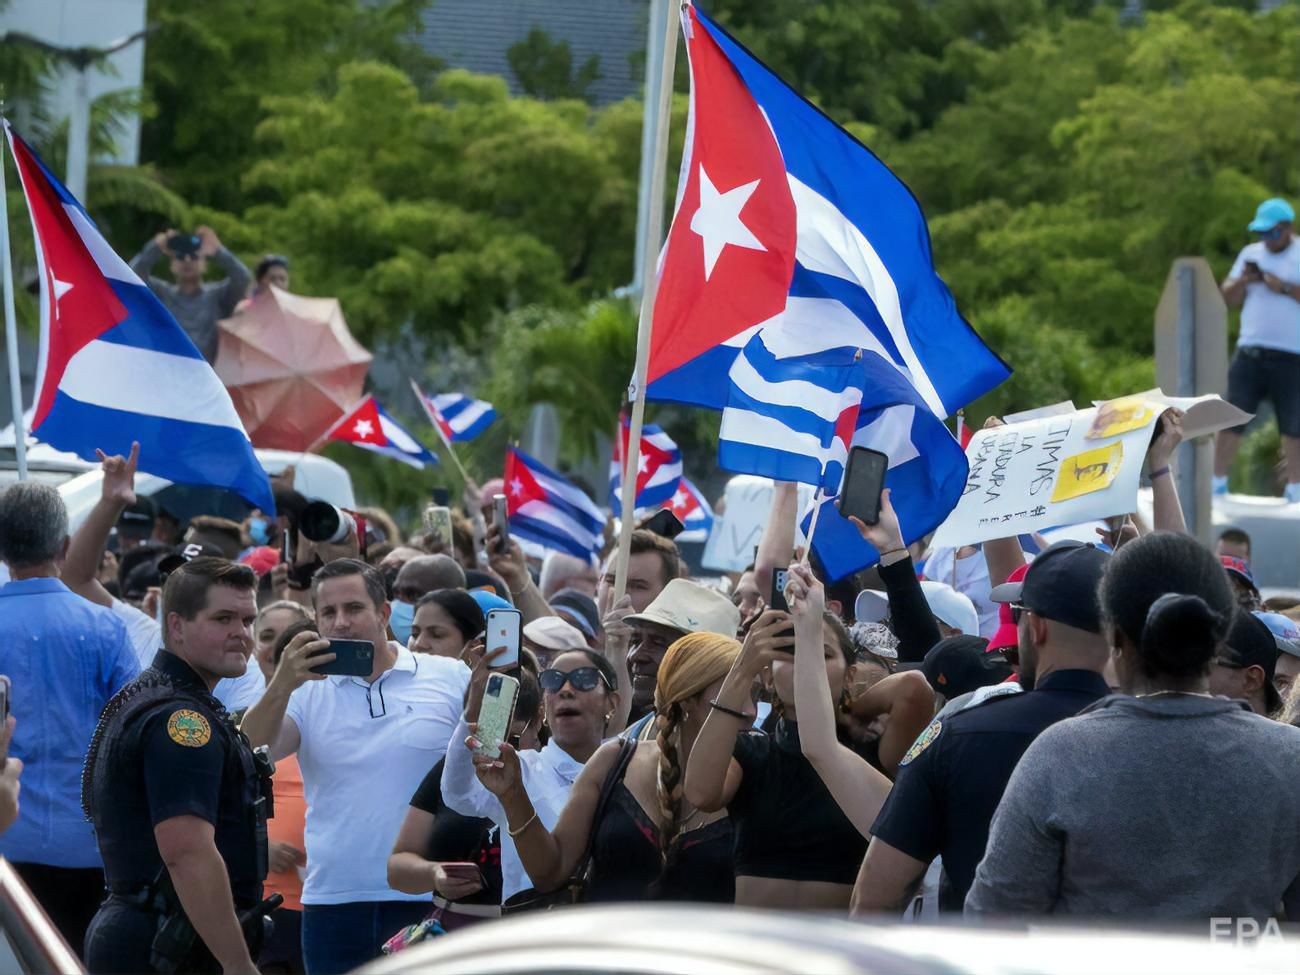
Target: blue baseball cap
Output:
{"points": [[1286, 632], [488, 600], [1270, 213]]}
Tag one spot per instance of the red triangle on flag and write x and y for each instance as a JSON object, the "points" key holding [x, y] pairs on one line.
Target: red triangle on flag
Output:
{"points": [[361, 425], [521, 485]]}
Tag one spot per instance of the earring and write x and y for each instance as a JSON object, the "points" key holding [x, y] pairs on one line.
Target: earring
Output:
{"points": [[846, 700]]}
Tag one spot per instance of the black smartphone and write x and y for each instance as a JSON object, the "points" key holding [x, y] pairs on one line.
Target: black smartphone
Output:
{"points": [[353, 658], [501, 518], [864, 480], [777, 602], [664, 523], [4, 699], [1253, 268], [441, 497]]}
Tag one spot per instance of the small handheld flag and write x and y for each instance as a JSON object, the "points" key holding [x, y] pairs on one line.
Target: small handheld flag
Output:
{"points": [[549, 511], [659, 468], [368, 425]]}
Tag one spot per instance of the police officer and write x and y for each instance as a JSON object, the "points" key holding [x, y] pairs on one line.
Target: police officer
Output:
{"points": [[951, 779], [177, 796]]}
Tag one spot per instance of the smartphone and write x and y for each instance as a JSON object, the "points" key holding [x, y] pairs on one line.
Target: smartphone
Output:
{"points": [[441, 497], [463, 870], [664, 523], [286, 547], [1253, 268], [353, 658], [864, 480], [777, 602], [437, 520], [501, 518], [496, 714], [504, 628], [4, 699]]}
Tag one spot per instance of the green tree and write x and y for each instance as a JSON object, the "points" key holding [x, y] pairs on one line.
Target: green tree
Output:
{"points": [[544, 68]]}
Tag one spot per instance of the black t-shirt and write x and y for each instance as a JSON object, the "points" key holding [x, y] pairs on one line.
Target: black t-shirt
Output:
{"points": [[951, 780], [788, 826], [461, 839]]}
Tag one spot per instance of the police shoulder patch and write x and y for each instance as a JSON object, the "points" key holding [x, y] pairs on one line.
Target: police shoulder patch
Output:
{"points": [[189, 728], [923, 741]]}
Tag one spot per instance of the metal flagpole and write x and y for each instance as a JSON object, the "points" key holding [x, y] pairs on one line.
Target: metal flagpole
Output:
{"points": [[661, 102], [451, 452], [11, 325]]}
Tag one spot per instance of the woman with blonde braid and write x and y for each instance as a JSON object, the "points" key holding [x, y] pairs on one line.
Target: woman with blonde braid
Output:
{"points": [[649, 843]]}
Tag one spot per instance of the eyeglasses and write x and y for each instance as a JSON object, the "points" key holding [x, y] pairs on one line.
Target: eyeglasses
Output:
{"points": [[1018, 611], [582, 679], [1272, 234]]}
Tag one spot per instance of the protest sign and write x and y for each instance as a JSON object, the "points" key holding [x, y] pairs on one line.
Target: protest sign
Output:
{"points": [[1067, 468], [736, 532]]}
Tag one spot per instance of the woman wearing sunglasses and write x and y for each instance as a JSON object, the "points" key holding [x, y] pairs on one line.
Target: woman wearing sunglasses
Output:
{"points": [[648, 843], [456, 857], [795, 847], [579, 695]]}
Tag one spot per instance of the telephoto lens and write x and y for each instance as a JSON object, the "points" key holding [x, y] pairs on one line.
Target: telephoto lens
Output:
{"points": [[320, 521]]}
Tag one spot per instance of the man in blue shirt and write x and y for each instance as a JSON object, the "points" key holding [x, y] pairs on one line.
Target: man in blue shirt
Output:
{"points": [[66, 657]]}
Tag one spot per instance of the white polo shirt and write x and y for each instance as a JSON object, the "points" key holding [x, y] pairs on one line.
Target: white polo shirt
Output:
{"points": [[365, 749], [548, 778]]}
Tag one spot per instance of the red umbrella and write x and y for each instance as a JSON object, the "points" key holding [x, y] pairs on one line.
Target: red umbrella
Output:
{"points": [[292, 367]]}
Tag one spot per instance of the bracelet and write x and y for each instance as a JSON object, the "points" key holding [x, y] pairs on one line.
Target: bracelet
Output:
{"points": [[892, 551], [731, 711], [1160, 473], [515, 832]]}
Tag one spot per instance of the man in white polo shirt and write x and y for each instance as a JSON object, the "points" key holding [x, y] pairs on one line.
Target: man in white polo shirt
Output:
{"points": [[364, 746]]}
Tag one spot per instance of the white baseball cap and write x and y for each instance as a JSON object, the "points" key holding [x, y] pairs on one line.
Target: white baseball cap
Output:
{"points": [[946, 603], [691, 608], [554, 634]]}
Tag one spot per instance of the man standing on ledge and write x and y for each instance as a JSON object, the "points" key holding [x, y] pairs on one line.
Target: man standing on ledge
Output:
{"points": [[1265, 283]]}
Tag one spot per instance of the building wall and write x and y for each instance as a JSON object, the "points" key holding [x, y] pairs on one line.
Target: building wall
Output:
{"points": [[476, 34]]}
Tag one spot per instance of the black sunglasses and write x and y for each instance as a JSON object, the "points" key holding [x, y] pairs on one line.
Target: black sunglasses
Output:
{"points": [[582, 679]]}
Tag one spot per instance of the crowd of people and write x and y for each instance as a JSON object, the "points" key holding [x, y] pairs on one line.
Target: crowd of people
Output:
{"points": [[1071, 732]]}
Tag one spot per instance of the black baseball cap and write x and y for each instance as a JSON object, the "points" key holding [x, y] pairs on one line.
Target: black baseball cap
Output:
{"points": [[187, 553], [1250, 643], [961, 664], [183, 245], [1061, 585], [137, 519]]}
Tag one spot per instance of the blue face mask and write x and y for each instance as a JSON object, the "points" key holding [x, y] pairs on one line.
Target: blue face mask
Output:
{"points": [[259, 530], [401, 619]]}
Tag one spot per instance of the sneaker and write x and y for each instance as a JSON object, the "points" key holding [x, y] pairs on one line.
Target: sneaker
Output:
{"points": [[1292, 493], [1219, 486]]}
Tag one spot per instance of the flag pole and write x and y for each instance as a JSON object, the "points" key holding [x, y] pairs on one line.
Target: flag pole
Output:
{"points": [[451, 452], [661, 102], [11, 325]]}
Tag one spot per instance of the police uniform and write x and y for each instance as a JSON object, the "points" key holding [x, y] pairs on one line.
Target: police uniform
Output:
{"points": [[165, 747], [950, 781]]}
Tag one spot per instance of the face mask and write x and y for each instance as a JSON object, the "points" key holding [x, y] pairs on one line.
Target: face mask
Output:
{"points": [[401, 619]]}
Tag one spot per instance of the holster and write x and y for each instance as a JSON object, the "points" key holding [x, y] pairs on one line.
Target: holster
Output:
{"points": [[177, 947]]}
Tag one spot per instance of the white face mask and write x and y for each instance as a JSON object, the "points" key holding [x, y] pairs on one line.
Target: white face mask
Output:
{"points": [[401, 619]]}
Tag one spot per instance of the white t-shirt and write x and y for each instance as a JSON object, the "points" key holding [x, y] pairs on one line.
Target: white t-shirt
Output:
{"points": [[1270, 320], [365, 750], [969, 576], [548, 778]]}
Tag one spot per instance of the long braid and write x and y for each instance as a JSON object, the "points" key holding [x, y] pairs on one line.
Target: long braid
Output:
{"points": [[669, 787]]}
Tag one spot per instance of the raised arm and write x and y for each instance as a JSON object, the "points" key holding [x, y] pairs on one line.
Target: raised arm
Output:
{"points": [[776, 547], [81, 568], [1166, 509], [712, 775], [908, 700], [265, 723], [913, 623], [857, 788], [511, 567], [238, 278], [142, 264]]}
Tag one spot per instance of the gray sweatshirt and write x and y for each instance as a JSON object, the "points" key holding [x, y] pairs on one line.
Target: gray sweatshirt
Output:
{"points": [[1174, 807], [197, 313]]}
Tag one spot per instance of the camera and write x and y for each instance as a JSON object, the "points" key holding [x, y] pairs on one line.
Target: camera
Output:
{"points": [[320, 521]]}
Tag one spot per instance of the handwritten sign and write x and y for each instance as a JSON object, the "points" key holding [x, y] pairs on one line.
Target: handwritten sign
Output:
{"points": [[737, 531]]}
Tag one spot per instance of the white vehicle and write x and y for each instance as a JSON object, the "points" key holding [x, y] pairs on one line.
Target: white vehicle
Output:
{"points": [[78, 481]]}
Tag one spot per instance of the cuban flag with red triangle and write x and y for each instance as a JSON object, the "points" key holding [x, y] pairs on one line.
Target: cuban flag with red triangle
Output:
{"points": [[693, 511], [114, 365], [368, 425], [549, 511], [659, 468]]}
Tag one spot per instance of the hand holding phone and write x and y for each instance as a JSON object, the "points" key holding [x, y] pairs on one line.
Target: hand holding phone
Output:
{"points": [[1253, 272], [437, 521], [864, 481], [496, 714], [352, 658], [504, 632]]}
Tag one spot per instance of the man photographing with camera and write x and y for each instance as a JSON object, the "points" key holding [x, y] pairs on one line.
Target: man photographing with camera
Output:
{"points": [[198, 306]]}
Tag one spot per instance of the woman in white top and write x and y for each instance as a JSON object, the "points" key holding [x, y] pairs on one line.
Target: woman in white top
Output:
{"points": [[579, 695]]}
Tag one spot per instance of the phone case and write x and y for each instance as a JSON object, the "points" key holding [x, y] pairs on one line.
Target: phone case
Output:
{"points": [[495, 715], [437, 520], [777, 601], [864, 481], [503, 630], [353, 658], [501, 519]]}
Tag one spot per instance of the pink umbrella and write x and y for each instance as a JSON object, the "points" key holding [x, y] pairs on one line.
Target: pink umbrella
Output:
{"points": [[291, 366]]}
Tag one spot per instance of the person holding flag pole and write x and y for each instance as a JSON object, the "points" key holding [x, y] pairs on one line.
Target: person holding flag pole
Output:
{"points": [[442, 435]]}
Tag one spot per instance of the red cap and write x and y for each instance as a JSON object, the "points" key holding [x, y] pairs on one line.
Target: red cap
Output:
{"points": [[262, 559], [1007, 635]]}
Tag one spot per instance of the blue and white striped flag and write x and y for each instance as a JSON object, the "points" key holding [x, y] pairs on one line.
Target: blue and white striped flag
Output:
{"points": [[458, 417], [659, 469], [549, 511]]}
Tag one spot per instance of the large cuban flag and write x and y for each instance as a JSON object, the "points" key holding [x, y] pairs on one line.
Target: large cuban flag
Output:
{"points": [[114, 365]]}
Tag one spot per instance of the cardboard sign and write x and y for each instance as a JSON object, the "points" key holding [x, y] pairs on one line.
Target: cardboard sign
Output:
{"points": [[737, 531], [1067, 468]]}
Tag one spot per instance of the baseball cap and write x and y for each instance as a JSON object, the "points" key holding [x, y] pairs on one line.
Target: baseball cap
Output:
{"points": [[946, 603], [1286, 632], [1060, 585], [1251, 643], [1270, 213], [137, 519], [961, 664], [188, 553], [552, 633], [690, 608], [581, 607], [1239, 568], [1008, 635], [489, 600]]}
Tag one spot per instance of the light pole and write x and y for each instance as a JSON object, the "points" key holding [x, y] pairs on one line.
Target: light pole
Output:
{"points": [[80, 59]]}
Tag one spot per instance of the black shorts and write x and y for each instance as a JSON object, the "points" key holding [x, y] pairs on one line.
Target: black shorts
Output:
{"points": [[1267, 374]]}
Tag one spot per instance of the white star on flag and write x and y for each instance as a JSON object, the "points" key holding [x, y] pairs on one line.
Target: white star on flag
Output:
{"points": [[718, 222], [60, 288], [680, 500], [364, 429], [516, 487]]}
